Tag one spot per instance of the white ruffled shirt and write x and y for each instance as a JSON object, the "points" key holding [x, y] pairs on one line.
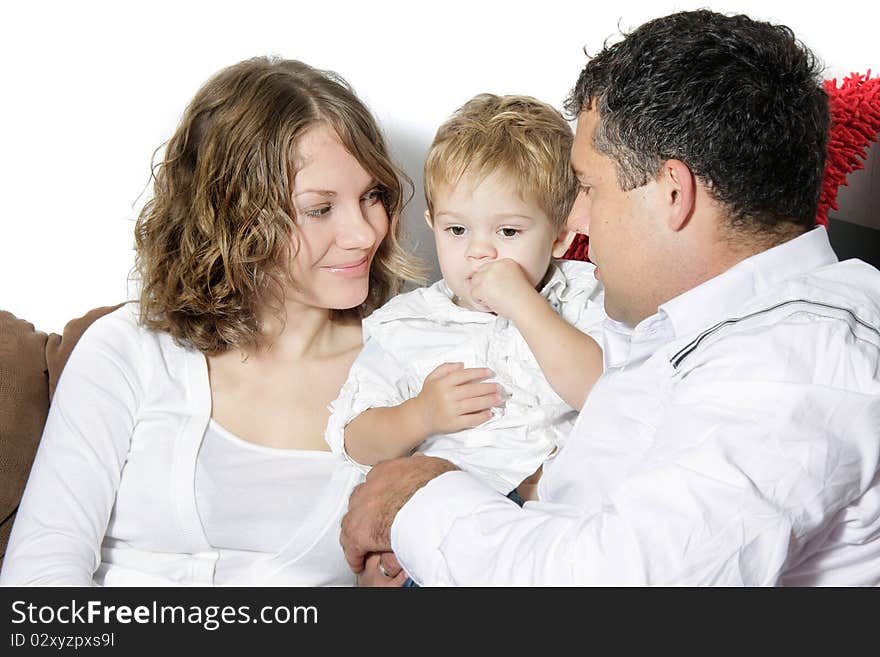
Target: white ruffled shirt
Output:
{"points": [[417, 331]]}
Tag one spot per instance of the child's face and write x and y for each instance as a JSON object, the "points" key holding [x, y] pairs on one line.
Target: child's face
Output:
{"points": [[476, 222]]}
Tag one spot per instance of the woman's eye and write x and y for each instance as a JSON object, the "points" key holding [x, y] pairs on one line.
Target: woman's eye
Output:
{"points": [[458, 231], [373, 196], [317, 213], [509, 232]]}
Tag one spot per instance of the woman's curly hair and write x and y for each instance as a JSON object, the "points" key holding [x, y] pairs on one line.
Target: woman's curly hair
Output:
{"points": [[213, 243]]}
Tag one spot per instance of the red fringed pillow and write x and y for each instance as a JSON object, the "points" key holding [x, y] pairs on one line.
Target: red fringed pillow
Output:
{"points": [[578, 248], [855, 123]]}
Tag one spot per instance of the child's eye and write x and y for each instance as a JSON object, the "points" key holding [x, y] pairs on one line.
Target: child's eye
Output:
{"points": [[457, 231], [373, 196], [509, 232], [317, 213]]}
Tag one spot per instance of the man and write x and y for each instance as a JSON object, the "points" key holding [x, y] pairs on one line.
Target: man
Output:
{"points": [[734, 436]]}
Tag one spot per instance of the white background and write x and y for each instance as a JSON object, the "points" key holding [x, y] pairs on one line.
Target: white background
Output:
{"points": [[91, 89]]}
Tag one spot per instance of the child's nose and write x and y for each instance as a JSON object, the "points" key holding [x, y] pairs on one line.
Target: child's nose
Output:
{"points": [[480, 250]]}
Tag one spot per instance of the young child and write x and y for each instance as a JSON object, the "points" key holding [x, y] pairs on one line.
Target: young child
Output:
{"points": [[487, 367]]}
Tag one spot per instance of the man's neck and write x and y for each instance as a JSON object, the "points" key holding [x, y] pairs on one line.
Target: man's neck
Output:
{"points": [[709, 255]]}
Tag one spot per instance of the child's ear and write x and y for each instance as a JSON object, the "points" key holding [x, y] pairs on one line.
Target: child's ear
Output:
{"points": [[563, 241], [429, 220]]}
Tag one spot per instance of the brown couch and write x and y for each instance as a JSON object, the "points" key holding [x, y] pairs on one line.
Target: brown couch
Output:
{"points": [[30, 363]]}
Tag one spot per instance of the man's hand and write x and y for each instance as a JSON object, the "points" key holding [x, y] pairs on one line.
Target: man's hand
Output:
{"points": [[452, 398], [390, 574], [374, 504], [502, 286]]}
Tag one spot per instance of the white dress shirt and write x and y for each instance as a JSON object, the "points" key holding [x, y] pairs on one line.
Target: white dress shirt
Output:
{"points": [[112, 497], [732, 440], [414, 333]]}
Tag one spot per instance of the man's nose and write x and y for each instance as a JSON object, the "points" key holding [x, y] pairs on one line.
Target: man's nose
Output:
{"points": [[578, 220]]}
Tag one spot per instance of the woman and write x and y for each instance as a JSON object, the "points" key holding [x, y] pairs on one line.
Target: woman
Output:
{"points": [[185, 440]]}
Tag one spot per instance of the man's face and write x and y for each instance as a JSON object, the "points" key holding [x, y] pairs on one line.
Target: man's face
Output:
{"points": [[624, 237], [477, 221]]}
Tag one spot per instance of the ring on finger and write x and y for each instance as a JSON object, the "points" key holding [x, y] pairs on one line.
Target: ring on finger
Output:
{"points": [[382, 569]]}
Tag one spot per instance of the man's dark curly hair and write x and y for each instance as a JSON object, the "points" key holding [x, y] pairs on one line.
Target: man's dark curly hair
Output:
{"points": [[739, 101]]}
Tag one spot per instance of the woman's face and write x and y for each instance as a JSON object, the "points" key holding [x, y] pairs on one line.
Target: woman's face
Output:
{"points": [[340, 223]]}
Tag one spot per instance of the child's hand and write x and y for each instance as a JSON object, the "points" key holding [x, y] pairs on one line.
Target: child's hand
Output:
{"points": [[502, 286], [452, 398]]}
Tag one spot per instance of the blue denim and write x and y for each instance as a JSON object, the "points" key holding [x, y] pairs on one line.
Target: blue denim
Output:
{"points": [[516, 497], [512, 495]]}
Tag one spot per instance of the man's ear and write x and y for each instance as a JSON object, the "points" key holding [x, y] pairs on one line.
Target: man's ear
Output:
{"points": [[563, 241], [429, 220], [679, 188]]}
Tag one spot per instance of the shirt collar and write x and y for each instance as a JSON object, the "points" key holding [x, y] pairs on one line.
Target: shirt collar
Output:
{"points": [[555, 287], [719, 296]]}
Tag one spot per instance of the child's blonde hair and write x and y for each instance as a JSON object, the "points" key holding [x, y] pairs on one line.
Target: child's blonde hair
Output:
{"points": [[526, 139]]}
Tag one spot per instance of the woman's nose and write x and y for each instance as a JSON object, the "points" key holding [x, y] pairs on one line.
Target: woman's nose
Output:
{"points": [[355, 231]]}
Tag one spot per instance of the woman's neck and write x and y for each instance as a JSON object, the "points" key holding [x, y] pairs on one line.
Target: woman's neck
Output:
{"points": [[304, 332], [259, 394]]}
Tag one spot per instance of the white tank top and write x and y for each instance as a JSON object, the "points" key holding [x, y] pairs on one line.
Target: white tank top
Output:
{"points": [[252, 499]]}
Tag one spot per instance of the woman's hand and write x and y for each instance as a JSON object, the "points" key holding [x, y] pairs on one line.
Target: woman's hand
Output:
{"points": [[528, 489]]}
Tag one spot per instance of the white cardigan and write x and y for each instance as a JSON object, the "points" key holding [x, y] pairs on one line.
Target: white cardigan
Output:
{"points": [[111, 499]]}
